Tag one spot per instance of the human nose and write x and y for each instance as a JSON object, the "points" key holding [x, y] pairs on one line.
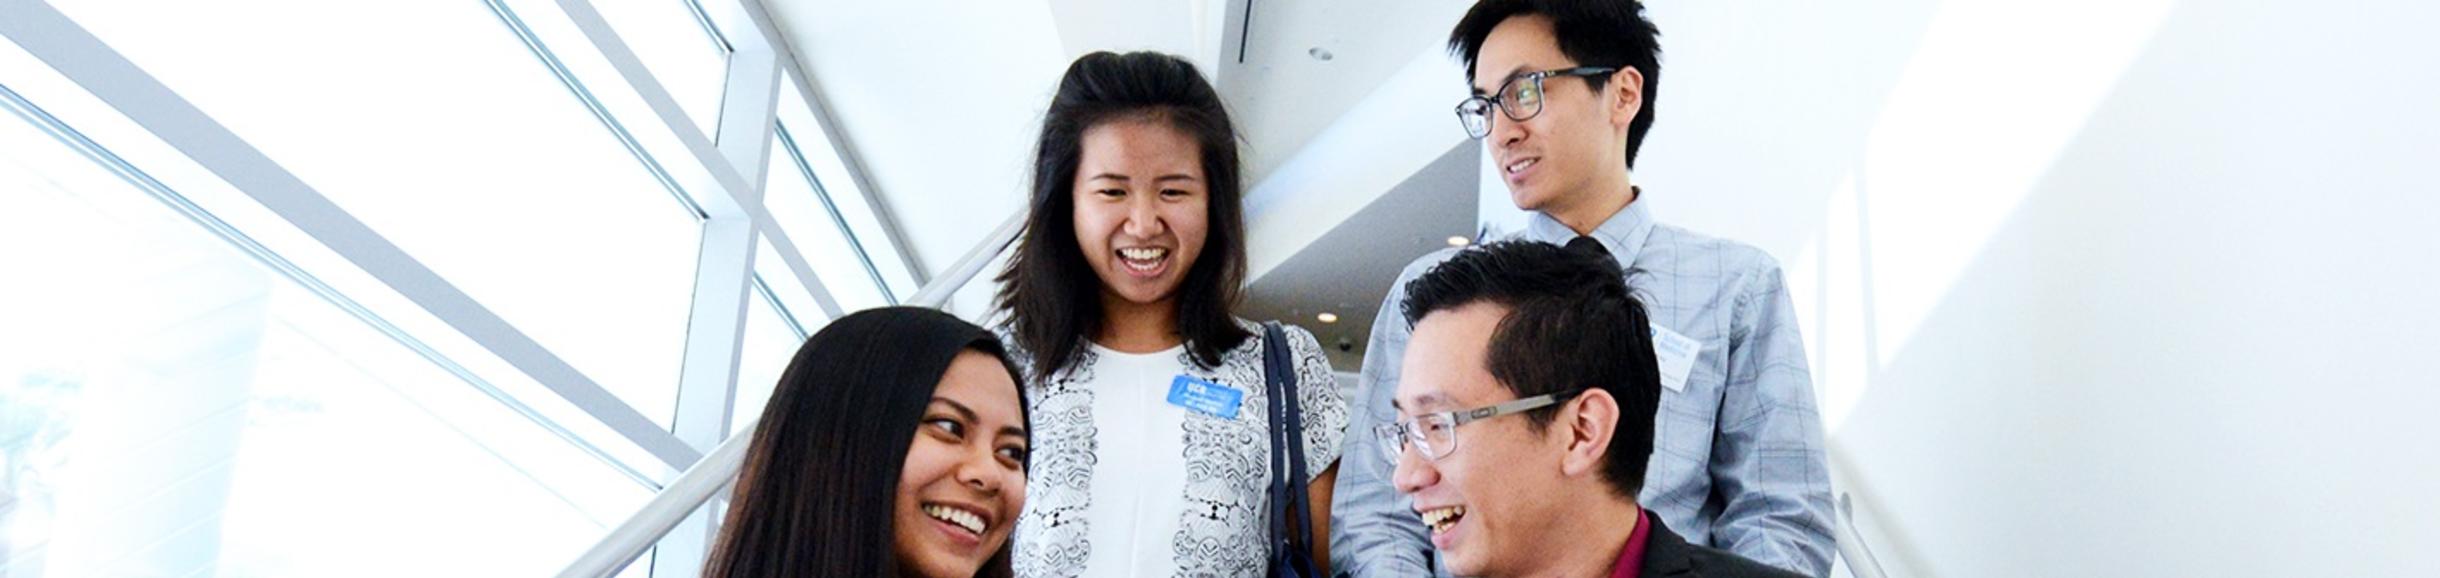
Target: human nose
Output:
{"points": [[1144, 217], [1412, 472]]}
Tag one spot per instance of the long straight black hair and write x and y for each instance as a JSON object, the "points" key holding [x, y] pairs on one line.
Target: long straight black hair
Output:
{"points": [[1051, 294], [821, 475]]}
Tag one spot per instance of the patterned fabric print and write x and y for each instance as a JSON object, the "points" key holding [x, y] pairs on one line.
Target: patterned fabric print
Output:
{"points": [[1227, 474], [1051, 530], [1223, 530], [1226, 529], [1325, 405]]}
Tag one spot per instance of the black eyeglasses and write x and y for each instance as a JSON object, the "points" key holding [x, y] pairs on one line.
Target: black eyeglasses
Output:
{"points": [[1520, 98]]}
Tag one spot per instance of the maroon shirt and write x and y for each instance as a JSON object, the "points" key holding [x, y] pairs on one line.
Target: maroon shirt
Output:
{"points": [[1631, 560]]}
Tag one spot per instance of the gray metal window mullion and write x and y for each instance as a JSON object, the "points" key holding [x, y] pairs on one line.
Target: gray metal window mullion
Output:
{"points": [[855, 172], [701, 484], [795, 260], [246, 244], [703, 18], [705, 153], [707, 387], [758, 21], [786, 315], [630, 68], [626, 138], [831, 208], [91, 64], [718, 470]]}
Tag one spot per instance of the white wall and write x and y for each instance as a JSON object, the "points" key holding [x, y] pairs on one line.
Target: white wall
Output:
{"points": [[2093, 288]]}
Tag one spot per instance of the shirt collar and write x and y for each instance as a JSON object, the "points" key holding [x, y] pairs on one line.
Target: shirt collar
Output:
{"points": [[1631, 558], [1623, 234]]}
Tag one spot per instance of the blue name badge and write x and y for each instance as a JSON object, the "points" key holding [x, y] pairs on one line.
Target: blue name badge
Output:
{"points": [[1210, 398]]}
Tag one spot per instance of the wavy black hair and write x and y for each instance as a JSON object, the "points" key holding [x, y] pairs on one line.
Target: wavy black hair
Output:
{"points": [[821, 475], [1051, 294]]}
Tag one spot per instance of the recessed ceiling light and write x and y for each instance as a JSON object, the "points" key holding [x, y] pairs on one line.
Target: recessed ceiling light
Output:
{"points": [[1459, 241], [1328, 317]]}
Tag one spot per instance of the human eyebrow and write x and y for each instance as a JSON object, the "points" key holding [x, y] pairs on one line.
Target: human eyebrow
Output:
{"points": [[963, 412], [1514, 73], [1422, 401]]}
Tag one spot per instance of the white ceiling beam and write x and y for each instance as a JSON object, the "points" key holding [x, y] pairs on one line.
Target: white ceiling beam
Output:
{"points": [[1401, 126]]}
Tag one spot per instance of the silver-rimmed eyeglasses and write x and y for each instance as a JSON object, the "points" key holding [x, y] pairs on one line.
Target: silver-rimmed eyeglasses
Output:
{"points": [[1436, 433]]}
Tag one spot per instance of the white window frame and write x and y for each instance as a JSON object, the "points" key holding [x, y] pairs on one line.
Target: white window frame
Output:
{"points": [[719, 178]]}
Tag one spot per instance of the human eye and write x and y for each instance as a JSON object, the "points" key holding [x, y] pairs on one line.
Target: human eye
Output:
{"points": [[1526, 90], [947, 426], [1014, 454]]}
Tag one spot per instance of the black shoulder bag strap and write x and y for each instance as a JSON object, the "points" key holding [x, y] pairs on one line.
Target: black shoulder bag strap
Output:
{"points": [[1290, 507]]}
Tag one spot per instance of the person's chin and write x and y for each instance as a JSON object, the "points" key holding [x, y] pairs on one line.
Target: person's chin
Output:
{"points": [[1461, 551], [1146, 291], [940, 564], [940, 550], [1529, 197], [1461, 563]]}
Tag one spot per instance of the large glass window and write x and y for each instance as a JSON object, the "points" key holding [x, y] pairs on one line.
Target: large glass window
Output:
{"points": [[679, 47], [788, 294], [809, 140], [468, 153], [171, 406], [192, 383], [814, 227], [770, 342]]}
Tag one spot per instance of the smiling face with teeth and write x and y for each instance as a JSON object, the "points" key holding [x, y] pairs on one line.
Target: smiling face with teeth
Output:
{"points": [[964, 479], [1142, 209], [1489, 504]]}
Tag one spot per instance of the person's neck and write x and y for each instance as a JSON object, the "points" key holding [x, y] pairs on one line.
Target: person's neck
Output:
{"points": [[1588, 540], [1589, 208], [1133, 327]]}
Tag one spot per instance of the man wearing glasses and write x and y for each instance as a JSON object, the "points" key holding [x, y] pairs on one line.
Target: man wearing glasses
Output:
{"points": [[1524, 424], [1562, 100]]}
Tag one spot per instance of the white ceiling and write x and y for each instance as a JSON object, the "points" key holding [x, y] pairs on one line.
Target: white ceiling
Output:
{"points": [[939, 103], [1347, 270], [1284, 95]]}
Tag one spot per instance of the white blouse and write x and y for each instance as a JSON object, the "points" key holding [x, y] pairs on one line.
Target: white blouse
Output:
{"points": [[1125, 483]]}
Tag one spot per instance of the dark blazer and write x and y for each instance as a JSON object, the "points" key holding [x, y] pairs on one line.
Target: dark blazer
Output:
{"points": [[1668, 556]]}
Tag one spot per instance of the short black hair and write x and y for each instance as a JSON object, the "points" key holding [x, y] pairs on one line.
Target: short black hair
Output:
{"points": [[1052, 296], [1612, 33], [1571, 324]]}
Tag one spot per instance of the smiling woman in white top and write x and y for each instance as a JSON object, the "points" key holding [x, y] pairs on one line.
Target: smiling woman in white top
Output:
{"points": [[1151, 435]]}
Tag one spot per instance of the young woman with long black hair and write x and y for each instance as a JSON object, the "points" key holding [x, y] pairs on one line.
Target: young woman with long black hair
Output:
{"points": [[1153, 442], [894, 445]]}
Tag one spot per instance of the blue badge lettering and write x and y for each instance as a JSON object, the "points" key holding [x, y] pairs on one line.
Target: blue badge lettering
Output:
{"points": [[1203, 396]]}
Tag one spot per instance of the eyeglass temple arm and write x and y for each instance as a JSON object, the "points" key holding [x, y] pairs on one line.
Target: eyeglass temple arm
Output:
{"points": [[1513, 406]]}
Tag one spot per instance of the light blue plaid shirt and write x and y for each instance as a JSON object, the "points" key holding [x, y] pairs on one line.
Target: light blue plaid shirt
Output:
{"points": [[1737, 456]]}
